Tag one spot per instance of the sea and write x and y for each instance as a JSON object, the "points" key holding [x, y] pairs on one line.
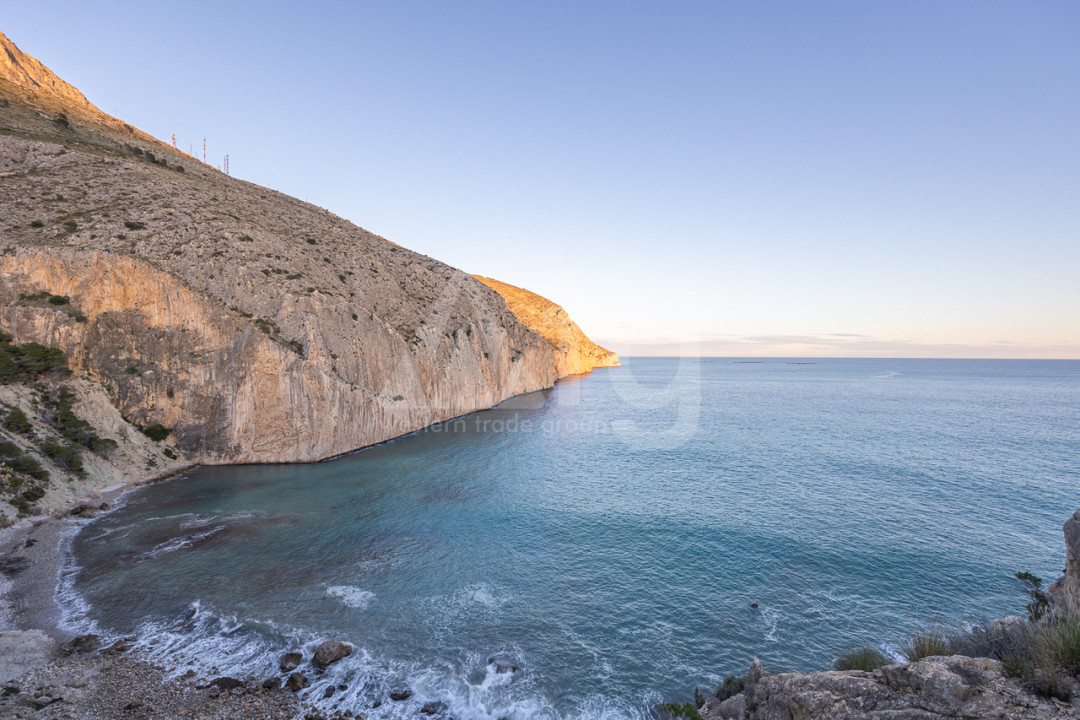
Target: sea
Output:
{"points": [[614, 542]]}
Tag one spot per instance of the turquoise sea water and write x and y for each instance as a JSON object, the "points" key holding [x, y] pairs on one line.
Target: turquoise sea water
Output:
{"points": [[609, 536]]}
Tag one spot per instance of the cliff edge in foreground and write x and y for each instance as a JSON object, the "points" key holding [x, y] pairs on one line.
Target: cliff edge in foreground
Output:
{"points": [[256, 327], [575, 354]]}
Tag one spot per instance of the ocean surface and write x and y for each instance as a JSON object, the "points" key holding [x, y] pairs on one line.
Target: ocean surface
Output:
{"points": [[608, 537]]}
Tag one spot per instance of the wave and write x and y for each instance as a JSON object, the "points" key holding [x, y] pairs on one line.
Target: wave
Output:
{"points": [[351, 596]]}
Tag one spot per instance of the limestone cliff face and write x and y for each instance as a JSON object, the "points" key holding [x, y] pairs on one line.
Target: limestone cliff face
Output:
{"points": [[575, 353], [1065, 592], [258, 327]]}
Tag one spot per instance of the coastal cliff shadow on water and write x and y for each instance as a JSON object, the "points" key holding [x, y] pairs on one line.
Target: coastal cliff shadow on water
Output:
{"points": [[831, 496]]}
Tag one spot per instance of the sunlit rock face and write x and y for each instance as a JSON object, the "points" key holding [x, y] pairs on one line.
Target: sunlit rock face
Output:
{"points": [[574, 352], [258, 327]]}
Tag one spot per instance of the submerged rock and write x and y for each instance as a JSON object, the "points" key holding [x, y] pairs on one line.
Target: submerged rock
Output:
{"points": [[291, 661], [400, 696], [501, 667], [330, 652], [433, 708]]}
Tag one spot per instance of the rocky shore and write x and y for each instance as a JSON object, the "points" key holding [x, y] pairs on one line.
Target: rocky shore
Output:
{"points": [[939, 687], [47, 672]]}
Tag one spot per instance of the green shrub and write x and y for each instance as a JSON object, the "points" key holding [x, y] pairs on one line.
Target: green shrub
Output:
{"points": [[36, 223], [59, 300], [929, 643], [866, 659], [33, 493], [71, 225], [73, 427], [17, 422], [156, 432], [66, 456], [1040, 603], [21, 504], [134, 225], [28, 466], [168, 452], [679, 710], [21, 363]]}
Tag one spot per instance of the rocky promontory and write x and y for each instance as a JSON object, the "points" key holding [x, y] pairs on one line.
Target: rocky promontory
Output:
{"points": [[575, 353], [252, 326]]}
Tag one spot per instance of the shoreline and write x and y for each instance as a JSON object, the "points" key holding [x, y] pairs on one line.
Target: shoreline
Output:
{"points": [[48, 672]]}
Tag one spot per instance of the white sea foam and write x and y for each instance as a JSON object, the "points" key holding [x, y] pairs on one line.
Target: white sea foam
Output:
{"points": [[351, 596], [179, 543]]}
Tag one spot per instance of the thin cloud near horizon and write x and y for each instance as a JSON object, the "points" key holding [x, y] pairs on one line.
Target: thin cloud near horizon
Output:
{"points": [[850, 345]]}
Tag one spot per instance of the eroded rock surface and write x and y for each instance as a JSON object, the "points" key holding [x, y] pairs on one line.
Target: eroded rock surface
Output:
{"points": [[935, 688], [1065, 592], [575, 353]]}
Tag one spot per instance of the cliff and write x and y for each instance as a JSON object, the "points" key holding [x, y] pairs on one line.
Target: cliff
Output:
{"points": [[1065, 592], [575, 353], [257, 327]]}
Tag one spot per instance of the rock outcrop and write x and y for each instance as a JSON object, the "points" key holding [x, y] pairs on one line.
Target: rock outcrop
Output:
{"points": [[1065, 592], [257, 327], [935, 688], [24, 650], [575, 354]]}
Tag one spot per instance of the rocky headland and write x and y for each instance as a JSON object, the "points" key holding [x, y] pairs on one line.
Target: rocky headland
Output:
{"points": [[248, 325], [575, 354]]}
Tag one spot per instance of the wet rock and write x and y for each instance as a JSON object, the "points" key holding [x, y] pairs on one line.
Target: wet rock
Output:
{"points": [[227, 683], [402, 695], [291, 661], [433, 708], [84, 644], [501, 667], [296, 682], [104, 506], [330, 652], [329, 692], [271, 683]]}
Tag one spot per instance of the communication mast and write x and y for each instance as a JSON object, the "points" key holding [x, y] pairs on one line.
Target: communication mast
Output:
{"points": [[226, 164], [204, 151], [174, 141]]}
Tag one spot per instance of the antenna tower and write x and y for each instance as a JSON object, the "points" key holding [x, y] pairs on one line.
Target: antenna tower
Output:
{"points": [[226, 164]]}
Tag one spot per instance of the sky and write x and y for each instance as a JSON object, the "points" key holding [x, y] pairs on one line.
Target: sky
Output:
{"points": [[897, 179]]}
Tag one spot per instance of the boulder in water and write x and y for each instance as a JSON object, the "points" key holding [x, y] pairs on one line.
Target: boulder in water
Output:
{"points": [[330, 652], [291, 661], [296, 682], [399, 696]]}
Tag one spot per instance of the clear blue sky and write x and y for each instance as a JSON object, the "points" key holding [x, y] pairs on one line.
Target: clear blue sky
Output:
{"points": [[754, 178]]}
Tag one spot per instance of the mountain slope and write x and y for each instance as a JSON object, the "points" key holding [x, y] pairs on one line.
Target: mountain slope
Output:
{"points": [[574, 352], [258, 327]]}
